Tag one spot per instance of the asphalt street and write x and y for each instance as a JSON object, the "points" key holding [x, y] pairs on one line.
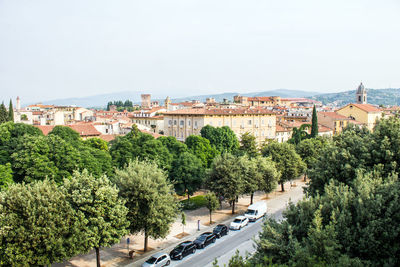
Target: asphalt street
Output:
{"points": [[226, 246]]}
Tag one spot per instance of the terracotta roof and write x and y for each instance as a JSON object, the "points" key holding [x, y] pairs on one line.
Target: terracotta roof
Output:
{"points": [[324, 129], [260, 98], [108, 137], [204, 111], [282, 129], [365, 107], [82, 129], [333, 115]]}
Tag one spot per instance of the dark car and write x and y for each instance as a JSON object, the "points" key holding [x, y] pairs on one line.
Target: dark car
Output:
{"points": [[220, 230], [205, 239], [182, 250]]}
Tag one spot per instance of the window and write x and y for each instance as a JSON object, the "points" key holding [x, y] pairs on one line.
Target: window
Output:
{"points": [[181, 123], [262, 122], [175, 122], [249, 122], [170, 122], [195, 123], [189, 123]]}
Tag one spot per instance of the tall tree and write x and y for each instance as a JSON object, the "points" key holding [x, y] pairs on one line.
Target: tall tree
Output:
{"points": [[299, 134], [269, 174], [222, 138], [10, 112], [310, 150], [314, 123], [248, 144], [103, 213], [67, 134], [38, 225], [225, 178], [187, 174], [288, 162], [149, 199], [212, 203], [200, 147], [174, 146], [3, 113]]}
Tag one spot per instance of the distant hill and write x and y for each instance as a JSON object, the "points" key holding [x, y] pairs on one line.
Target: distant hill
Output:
{"points": [[100, 101], [386, 97]]}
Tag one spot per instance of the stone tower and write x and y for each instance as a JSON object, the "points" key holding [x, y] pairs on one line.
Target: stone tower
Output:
{"points": [[361, 95], [18, 106], [167, 103], [146, 100]]}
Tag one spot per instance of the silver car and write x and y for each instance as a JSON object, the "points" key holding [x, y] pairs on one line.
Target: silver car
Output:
{"points": [[157, 260]]}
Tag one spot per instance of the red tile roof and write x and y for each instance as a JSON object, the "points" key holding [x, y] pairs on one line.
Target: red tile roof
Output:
{"points": [[324, 129], [84, 130], [365, 107], [333, 115], [260, 98], [204, 111]]}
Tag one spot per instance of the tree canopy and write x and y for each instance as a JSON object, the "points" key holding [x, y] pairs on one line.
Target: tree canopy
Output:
{"points": [[222, 138], [201, 148]]}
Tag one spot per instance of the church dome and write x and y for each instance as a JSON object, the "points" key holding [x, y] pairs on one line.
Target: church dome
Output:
{"points": [[360, 89]]}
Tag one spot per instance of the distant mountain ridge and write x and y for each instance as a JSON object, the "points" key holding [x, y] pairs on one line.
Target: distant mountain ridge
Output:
{"points": [[100, 101], [387, 97]]}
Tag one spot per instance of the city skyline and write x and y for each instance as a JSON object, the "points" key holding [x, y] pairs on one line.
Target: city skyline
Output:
{"points": [[54, 50]]}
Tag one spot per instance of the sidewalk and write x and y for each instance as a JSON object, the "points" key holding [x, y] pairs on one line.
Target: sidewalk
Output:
{"points": [[118, 254]]}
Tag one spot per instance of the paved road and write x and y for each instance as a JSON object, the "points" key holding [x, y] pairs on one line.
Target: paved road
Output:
{"points": [[226, 246]]}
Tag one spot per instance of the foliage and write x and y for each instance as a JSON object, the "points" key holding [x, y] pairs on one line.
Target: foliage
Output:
{"points": [[314, 123], [174, 146], [3, 113], [187, 174], [222, 138], [212, 203], [193, 203], [139, 145], [96, 143], [10, 112], [103, 213], [38, 225], [268, 174], [225, 178], [248, 144], [149, 199], [121, 106], [201, 148], [67, 134], [6, 177], [299, 134], [288, 162]]}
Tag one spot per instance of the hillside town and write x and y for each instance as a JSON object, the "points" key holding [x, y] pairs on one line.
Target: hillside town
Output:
{"points": [[267, 118]]}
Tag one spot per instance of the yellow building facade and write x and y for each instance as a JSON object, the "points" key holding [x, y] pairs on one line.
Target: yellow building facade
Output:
{"points": [[365, 113], [182, 123]]}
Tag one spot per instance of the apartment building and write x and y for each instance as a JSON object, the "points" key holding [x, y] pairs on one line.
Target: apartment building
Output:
{"points": [[185, 122]]}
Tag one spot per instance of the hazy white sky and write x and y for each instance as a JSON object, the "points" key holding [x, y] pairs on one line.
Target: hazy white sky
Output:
{"points": [[55, 49]]}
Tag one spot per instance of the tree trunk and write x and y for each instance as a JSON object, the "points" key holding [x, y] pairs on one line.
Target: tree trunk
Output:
{"points": [[237, 199], [233, 207], [282, 187], [251, 198], [98, 256], [305, 177], [210, 217], [188, 197], [220, 203], [146, 241]]}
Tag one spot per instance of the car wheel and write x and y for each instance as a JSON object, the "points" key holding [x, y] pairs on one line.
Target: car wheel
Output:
{"points": [[214, 240], [240, 227], [168, 263], [180, 257], [193, 251]]}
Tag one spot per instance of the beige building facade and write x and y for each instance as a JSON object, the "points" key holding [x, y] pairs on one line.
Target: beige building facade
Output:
{"points": [[365, 113], [182, 123]]}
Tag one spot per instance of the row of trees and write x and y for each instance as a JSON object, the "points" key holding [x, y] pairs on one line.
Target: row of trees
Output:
{"points": [[6, 115], [43, 222], [121, 106], [351, 216]]}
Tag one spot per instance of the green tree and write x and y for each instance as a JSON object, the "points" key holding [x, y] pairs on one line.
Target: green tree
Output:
{"points": [[222, 138], [187, 174], [314, 123], [3, 113], [248, 144], [310, 150], [174, 146], [299, 134], [67, 134], [10, 112], [97, 143], [287, 161], [149, 199], [6, 177], [103, 213], [225, 178], [38, 225], [212, 203], [269, 174], [201, 148], [183, 221]]}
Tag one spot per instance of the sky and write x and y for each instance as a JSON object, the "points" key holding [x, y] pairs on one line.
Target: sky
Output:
{"points": [[51, 49]]}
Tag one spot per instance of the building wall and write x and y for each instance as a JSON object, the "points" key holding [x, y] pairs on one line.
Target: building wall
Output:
{"points": [[367, 118], [262, 126]]}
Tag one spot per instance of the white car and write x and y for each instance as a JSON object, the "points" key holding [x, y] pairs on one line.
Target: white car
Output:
{"points": [[239, 222], [157, 260]]}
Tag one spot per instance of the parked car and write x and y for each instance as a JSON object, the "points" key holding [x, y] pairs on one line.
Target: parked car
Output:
{"points": [[239, 222], [220, 230], [256, 211], [157, 260], [182, 250], [205, 239]]}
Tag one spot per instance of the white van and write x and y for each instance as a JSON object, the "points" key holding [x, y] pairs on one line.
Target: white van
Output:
{"points": [[256, 211]]}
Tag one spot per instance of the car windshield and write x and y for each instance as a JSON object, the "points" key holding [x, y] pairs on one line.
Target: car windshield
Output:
{"points": [[250, 212], [179, 248], [202, 238], [237, 221], [219, 227], [151, 260]]}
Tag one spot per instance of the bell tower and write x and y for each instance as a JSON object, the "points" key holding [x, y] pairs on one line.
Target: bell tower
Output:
{"points": [[361, 94]]}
